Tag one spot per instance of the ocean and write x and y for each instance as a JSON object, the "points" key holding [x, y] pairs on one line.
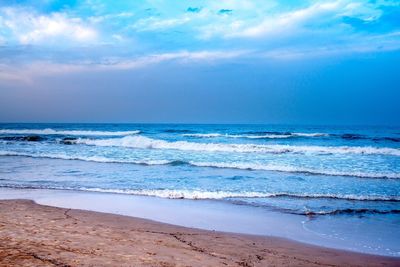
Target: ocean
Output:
{"points": [[318, 172]]}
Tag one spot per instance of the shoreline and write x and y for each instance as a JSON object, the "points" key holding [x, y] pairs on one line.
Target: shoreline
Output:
{"points": [[224, 217], [46, 235]]}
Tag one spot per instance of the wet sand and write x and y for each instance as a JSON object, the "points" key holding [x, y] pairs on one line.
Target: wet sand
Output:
{"points": [[37, 235]]}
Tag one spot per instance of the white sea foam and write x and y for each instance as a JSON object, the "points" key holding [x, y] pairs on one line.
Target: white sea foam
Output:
{"points": [[217, 194], [85, 158], [149, 143], [268, 136], [67, 132], [310, 134], [198, 194], [230, 165], [294, 169], [263, 136], [208, 135]]}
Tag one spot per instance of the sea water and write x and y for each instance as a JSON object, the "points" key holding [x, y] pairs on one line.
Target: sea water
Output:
{"points": [[324, 173]]}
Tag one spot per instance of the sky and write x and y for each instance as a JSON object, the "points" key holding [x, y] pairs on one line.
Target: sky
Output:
{"points": [[203, 61]]}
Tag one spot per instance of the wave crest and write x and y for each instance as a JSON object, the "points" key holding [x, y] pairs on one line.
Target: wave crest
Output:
{"points": [[149, 143], [350, 212], [218, 195], [293, 169], [49, 131], [228, 165], [197, 194], [87, 158], [255, 136]]}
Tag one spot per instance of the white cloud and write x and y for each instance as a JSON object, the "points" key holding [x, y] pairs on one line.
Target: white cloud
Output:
{"points": [[26, 28], [321, 16], [287, 21]]}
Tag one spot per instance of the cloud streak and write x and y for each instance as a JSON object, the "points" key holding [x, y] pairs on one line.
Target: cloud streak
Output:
{"points": [[27, 72]]}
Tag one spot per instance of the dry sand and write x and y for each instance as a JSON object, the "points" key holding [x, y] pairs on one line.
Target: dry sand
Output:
{"points": [[36, 235]]}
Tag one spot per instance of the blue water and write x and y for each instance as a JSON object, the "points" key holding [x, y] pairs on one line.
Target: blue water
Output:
{"points": [[305, 170], [315, 171]]}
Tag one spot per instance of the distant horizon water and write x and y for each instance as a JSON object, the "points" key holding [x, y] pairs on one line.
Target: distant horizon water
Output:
{"points": [[265, 124]]}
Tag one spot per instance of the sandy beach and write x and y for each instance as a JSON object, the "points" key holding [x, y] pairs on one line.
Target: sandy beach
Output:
{"points": [[37, 235]]}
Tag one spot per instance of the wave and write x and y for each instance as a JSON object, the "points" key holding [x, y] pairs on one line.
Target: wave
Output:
{"points": [[89, 158], [231, 165], [177, 131], [67, 132], [391, 139], [293, 169], [310, 134], [207, 135], [348, 136], [149, 143], [285, 135], [351, 136], [214, 135], [254, 136], [201, 194], [349, 212]]}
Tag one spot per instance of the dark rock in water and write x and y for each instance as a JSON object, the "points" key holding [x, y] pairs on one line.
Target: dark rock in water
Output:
{"points": [[29, 138], [33, 138], [69, 141]]}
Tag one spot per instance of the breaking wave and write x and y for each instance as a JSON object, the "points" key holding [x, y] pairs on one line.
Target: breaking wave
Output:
{"points": [[286, 135], [67, 132], [232, 165], [349, 212], [86, 158], [259, 136], [199, 194], [293, 169], [149, 143]]}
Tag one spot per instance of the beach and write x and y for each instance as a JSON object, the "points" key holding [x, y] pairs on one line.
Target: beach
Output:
{"points": [[199, 133], [38, 235], [331, 188]]}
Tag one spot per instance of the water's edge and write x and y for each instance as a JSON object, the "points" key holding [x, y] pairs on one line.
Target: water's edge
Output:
{"points": [[200, 214]]}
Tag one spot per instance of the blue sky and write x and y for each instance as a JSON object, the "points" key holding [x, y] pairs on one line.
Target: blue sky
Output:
{"points": [[332, 61]]}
